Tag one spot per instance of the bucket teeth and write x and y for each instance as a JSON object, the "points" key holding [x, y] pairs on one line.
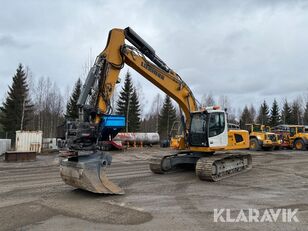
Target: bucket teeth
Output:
{"points": [[89, 173]]}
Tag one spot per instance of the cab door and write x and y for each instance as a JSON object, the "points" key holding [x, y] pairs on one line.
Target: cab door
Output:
{"points": [[217, 129]]}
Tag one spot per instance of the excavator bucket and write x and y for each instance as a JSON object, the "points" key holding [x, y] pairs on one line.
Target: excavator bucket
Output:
{"points": [[89, 173]]}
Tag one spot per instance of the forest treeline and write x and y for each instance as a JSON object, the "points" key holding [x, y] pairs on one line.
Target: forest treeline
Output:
{"points": [[38, 104]]}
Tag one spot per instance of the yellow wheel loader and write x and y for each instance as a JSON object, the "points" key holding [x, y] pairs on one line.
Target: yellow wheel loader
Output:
{"points": [[294, 136]]}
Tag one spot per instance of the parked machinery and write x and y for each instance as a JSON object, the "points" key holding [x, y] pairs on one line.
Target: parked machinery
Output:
{"points": [[261, 138], [298, 138], [283, 132], [276, 144], [293, 136], [177, 136]]}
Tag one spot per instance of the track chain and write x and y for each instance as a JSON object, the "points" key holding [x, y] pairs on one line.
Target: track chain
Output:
{"points": [[205, 164]]}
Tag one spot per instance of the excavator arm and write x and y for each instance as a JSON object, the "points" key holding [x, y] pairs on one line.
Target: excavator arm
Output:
{"points": [[142, 58]]}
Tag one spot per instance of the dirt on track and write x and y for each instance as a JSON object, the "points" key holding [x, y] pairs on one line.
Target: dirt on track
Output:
{"points": [[33, 196]]}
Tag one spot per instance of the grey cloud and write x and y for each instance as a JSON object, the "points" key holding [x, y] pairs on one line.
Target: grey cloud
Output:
{"points": [[10, 41], [246, 49]]}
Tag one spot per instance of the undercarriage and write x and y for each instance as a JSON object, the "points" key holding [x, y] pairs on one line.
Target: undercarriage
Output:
{"points": [[208, 166]]}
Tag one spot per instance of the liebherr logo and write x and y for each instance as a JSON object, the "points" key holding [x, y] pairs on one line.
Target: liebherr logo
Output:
{"points": [[153, 70], [255, 215]]}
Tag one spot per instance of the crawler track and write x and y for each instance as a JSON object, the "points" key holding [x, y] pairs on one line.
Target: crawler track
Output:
{"points": [[221, 166], [210, 168]]}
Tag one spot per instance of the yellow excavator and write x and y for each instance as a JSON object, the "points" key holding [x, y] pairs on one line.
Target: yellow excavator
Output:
{"points": [[205, 130]]}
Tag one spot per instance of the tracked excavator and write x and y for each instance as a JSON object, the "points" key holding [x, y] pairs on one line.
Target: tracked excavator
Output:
{"points": [[206, 141]]}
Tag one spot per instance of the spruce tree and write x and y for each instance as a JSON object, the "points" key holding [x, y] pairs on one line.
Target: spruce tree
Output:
{"points": [[263, 117], [305, 116], [72, 110], [125, 94], [128, 105], [296, 114], [274, 118], [134, 119], [286, 113], [17, 108], [167, 116], [246, 117]]}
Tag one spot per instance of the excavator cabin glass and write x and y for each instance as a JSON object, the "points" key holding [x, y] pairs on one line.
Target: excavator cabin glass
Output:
{"points": [[198, 129], [205, 125], [300, 130], [216, 123]]}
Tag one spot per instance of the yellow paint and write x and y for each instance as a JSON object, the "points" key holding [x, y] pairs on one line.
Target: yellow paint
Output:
{"points": [[178, 142]]}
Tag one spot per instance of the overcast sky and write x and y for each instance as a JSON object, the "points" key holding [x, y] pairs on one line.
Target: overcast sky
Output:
{"points": [[248, 50]]}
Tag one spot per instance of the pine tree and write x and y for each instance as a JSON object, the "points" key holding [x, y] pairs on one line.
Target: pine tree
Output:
{"points": [[305, 116], [296, 114], [286, 113], [17, 108], [263, 117], [167, 116], [274, 118], [246, 117], [134, 119], [72, 110]]}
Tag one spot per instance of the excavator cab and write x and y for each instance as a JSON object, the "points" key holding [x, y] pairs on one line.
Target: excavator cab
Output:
{"points": [[208, 128]]}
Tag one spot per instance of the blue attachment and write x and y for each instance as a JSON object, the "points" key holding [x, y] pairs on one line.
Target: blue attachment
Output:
{"points": [[110, 126], [111, 121]]}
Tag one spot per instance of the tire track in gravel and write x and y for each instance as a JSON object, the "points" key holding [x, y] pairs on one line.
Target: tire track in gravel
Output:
{"points": [[31, 177]]}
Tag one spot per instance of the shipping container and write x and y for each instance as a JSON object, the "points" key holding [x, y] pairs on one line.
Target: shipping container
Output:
{"points": [[5, 145], [27, 141]]}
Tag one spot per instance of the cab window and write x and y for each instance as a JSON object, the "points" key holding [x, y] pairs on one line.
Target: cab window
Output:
{"points": [[300, 130], [216, 124], [292, 131]]}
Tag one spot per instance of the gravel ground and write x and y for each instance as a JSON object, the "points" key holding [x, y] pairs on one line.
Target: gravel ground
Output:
{"points": [[33, 196]]}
